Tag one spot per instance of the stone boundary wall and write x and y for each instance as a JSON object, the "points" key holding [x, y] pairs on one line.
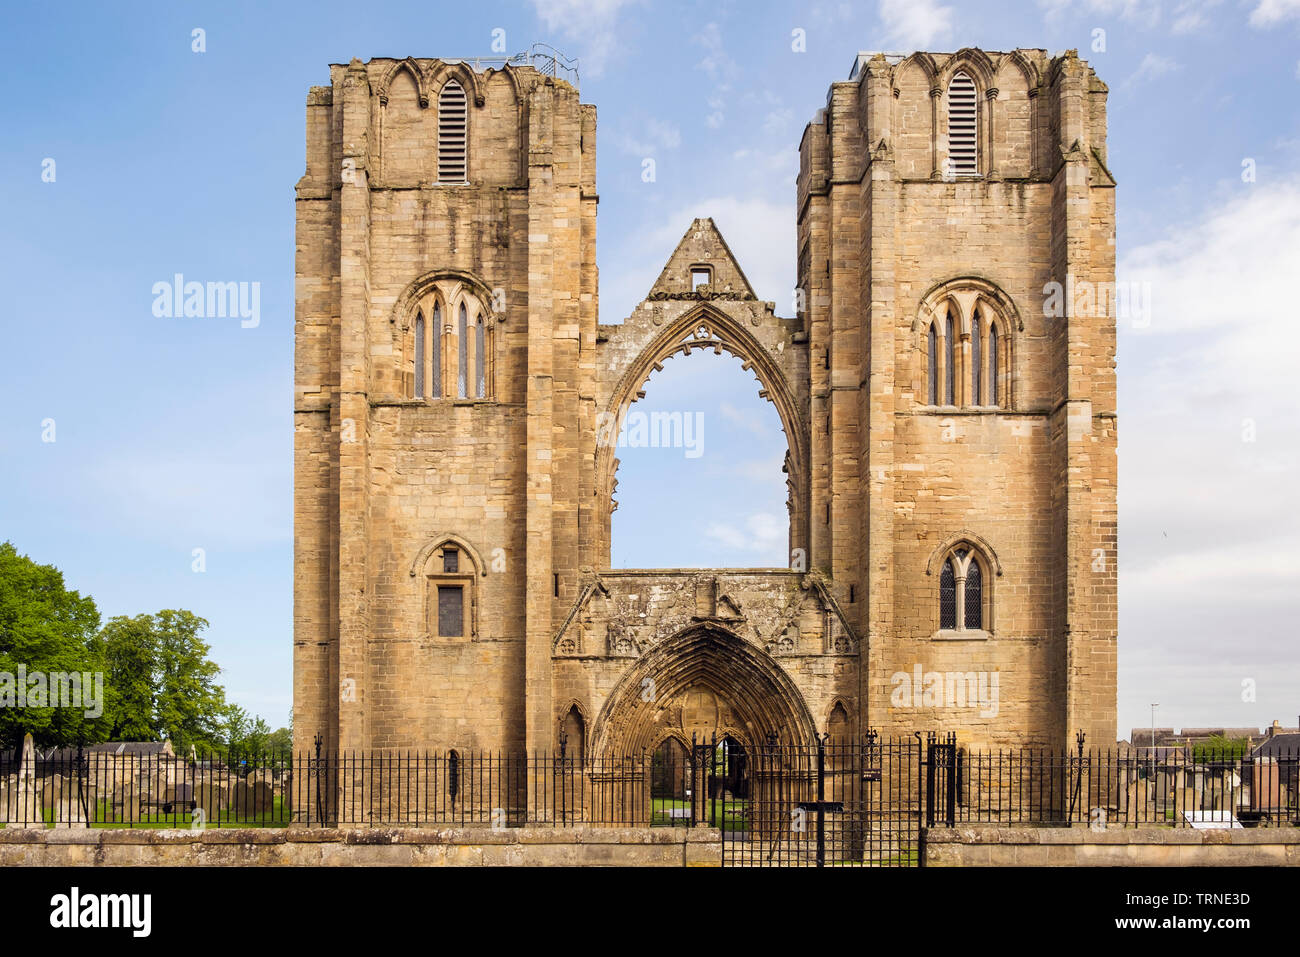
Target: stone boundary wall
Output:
{"points": [[243, 847], [1130, 847]]}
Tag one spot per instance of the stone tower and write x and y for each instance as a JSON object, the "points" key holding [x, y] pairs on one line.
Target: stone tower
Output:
{"points": [[951, 464]]}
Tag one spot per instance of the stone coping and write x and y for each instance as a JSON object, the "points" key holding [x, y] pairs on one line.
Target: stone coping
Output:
{"points": [[362, 836], [993, 834]]}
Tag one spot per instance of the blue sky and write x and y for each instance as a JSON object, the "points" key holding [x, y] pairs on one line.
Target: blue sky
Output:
{"points": [[175, 434]]}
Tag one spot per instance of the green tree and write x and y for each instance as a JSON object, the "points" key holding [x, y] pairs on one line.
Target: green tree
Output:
{"points": [[1219, 748], [44, 628], [189, 704], [130, 651], [280, 743]]}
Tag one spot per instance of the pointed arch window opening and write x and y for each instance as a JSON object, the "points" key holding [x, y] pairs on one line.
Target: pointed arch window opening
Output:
{"points": [[994, 396], [463, 351], [480, 371], [963, 604], [950, 353], [964, 371], [934, 364], [436, 351], [948, 596], [419, 355], [449, 357]]}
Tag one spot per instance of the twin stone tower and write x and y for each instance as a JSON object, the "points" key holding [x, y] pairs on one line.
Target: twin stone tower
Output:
{"points": [[951, 428]]}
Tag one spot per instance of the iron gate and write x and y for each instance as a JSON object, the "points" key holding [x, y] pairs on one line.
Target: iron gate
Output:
{"points": [[840, 804]]}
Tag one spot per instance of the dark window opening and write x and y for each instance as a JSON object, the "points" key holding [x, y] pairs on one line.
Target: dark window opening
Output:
{"points": [[451, 611], [419, 355], [948, 596], [450, 560], [974, 597]]}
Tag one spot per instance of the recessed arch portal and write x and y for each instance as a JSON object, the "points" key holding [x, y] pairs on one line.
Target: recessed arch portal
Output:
{"points": [[669, 687]]}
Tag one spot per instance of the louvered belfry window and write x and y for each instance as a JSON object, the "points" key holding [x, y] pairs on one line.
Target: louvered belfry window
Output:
{"points": [[453, 130], [962, 126]]}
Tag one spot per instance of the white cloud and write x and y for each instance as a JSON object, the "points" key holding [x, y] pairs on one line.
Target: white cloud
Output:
{"points": [[1187, 16], [1272, 12], [591, 24], [746, 419], [1207, 553], [762, 533], [916, 24], [651, 138], [1152, 66], [1210, 433]]}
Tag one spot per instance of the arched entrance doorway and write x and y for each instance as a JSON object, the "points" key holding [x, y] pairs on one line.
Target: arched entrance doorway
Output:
{"points": [[699, 704], [704, 682]]}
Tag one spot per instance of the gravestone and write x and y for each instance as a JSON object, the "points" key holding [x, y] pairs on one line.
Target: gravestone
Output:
{"points": [[26, 805], [253, 798]]}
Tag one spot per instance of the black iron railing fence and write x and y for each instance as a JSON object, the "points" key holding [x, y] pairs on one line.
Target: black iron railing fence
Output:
{"points": [[848, 800], [1131, 787]]}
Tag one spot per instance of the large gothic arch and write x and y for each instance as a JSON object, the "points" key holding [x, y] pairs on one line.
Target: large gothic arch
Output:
{"points": [[756, 700], [707, 326]]}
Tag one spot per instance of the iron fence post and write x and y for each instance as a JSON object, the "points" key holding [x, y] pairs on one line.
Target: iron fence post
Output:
{"points": [[821, 797], [317, 773]]}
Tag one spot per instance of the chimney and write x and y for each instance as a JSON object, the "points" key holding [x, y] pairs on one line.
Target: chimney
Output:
{"points": [[1275, 727]]}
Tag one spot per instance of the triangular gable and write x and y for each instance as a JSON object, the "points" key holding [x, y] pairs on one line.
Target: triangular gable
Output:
{"points": [[703, 245]]}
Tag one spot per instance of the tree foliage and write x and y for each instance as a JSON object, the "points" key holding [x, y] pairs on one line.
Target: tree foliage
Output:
{"points": [[48, 629], [158, 680]]}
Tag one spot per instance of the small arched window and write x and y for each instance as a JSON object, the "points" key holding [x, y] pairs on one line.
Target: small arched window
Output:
{"points": [[933, 363], [419, 355], [976, 334], [963, 157], [973, 599], [453, 133], [462, 343], [993, 364], [949, 378], [963, 603], [451, 601], [480, 368], [436, 392], [948, 596], [573, 732]]}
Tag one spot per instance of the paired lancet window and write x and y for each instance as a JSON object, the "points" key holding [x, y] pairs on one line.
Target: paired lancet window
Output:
{"points": [[451, 348], [453, 133], [963, 126], [966, 369], [963, 602]]}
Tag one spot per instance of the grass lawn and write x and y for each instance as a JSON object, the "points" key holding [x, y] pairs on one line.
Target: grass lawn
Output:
{"points": [[279, 816]]}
